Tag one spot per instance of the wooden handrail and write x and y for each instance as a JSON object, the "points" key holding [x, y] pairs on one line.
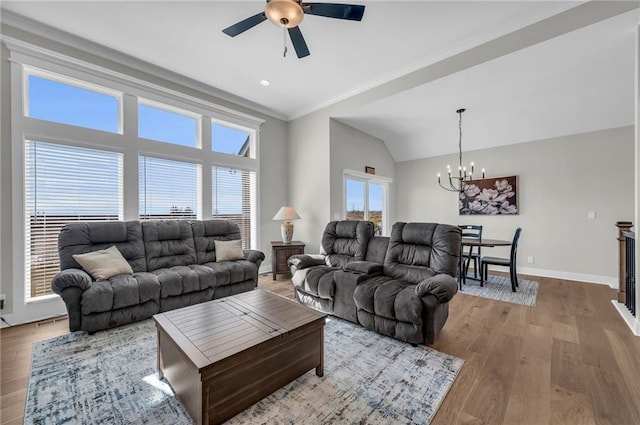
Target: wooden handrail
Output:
{"points": [[623, 229]]}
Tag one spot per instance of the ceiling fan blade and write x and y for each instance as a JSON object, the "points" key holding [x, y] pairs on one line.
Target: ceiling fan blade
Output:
{"points": [[298, 42], [352, 12], [247, 24]]}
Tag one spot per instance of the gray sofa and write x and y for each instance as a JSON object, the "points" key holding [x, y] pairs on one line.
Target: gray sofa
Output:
{"points": [[173, 262], [398, 286]]}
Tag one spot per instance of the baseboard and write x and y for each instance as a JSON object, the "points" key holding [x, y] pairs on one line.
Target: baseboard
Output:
{"points": [[580, 277], [16, 320], [631, 321], [557, 274]]}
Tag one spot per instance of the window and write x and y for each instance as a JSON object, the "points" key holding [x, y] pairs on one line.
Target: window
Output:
{"points": [[163, 125], [64, 184], [230, 140], [233, 194], [168, 189], [365, 198], [355, 199], [74, 105], [375, 205], [90, 144]]}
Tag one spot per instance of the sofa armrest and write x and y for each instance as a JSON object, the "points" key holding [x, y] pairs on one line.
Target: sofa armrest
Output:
{"points": [[253, 255], [442, 286], [70, 284], [304, 261], [70, 278], [367, 267]]}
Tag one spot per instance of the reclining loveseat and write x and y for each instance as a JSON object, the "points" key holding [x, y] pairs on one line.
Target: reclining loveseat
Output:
{"points": [[399, 286], [173, 264]]}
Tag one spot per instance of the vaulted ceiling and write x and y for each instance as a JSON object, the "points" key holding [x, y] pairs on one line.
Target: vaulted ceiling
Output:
{"points": [[579, 81]]}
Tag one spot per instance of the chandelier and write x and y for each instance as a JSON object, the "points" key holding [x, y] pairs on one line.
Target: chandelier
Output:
{"points": [[456, 182]]}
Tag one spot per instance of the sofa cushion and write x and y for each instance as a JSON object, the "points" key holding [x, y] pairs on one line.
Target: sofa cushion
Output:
{"points": [[317, 281], [230, 272], [119, 292], [83, 237], [205, 232], [180, 280], [389, 298], [104, 263], [418, 251], [345, 241], [391, 307], [168, 243]]}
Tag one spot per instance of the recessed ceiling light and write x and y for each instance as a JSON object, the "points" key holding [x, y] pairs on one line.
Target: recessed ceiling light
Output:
{"points": [[265, 83]]}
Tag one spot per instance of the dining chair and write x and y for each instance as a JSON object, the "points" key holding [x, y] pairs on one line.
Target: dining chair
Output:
{"points": [[471, 231], [504, 262]]}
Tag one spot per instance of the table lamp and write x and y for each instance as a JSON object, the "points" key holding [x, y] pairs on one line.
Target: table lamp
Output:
{"points": [[286, 213]]}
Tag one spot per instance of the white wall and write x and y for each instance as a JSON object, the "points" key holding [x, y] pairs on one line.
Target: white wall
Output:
{"points": [[560, 180], [5, 179], [273, 151], [320, 148], [353, 149], [309, 177]]}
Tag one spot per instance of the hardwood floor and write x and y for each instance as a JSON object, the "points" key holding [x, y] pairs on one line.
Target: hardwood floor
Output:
{"points": [[569, 360]]}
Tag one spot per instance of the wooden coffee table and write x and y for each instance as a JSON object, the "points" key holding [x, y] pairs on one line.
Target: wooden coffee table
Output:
{"points": [[222, 356]]}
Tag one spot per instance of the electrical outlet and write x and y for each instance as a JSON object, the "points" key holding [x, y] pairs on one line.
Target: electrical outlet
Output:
{"points": [[530, 259], [591, 215]]}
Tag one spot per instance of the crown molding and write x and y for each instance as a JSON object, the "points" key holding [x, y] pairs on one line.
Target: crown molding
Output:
{"points": [[99, 50]]}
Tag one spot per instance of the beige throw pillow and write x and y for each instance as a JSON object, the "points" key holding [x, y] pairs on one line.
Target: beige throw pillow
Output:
{"points": [[228, 250], [104, 264]]}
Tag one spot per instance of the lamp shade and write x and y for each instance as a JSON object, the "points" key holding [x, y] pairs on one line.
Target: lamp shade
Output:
{"points": [[286, 213]]}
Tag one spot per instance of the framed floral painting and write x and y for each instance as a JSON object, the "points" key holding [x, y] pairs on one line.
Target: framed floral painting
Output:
{"points": [[493, 196]]}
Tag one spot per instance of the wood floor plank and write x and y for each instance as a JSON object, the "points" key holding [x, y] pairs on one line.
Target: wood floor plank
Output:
{"points": [[570, 408], [569, 360], [530, 394]]}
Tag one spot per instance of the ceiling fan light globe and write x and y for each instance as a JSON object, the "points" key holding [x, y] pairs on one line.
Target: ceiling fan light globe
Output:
{"points": [[284, 13]]}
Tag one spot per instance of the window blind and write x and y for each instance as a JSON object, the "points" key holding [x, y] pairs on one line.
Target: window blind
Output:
{"points": [[168, 189], [64, 184], [234, 198]]}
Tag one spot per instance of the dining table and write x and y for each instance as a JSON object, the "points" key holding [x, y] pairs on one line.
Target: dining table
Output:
{"points": [[471, 242], [490, 243]]}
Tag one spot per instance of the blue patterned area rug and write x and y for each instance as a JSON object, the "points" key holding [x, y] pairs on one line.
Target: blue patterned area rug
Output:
{"points": [[499, 288], [110, 378]]}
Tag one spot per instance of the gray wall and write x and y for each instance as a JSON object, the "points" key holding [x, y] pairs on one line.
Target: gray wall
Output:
{"points": [[309, 177], [273, 152], [6, 286], [560, 180], [320, 148]]}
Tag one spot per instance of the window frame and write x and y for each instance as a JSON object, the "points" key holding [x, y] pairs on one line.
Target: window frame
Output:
{"points": [[26, 59], [385, 182]]}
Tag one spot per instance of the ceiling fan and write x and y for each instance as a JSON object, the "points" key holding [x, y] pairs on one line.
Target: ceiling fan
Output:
{"points": [[289, 13]]}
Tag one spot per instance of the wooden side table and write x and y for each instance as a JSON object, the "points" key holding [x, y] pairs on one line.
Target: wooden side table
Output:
{"points": [[280, 252]]}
